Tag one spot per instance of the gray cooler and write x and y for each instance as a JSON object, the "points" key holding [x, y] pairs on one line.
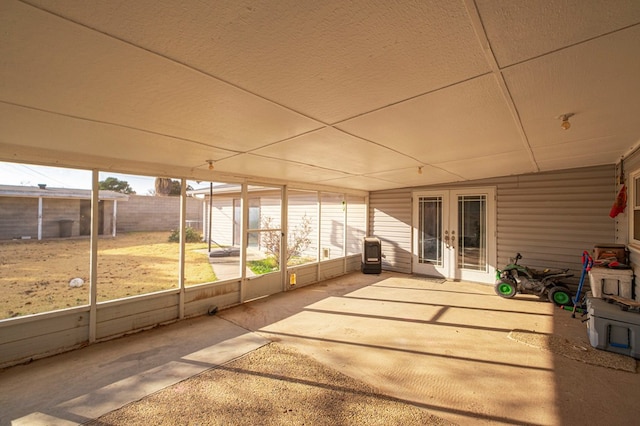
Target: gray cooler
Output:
{"points": [[612, 329]]}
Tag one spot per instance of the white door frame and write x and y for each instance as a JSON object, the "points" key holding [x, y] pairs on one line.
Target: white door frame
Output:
{"points": [[448, 245], [441, 267]]}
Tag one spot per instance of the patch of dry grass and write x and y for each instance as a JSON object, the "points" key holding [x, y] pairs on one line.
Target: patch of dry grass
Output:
{"points": [[35, 275]]}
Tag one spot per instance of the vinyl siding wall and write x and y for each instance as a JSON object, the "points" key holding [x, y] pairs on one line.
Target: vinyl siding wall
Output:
{"points": [[222, 221], [332, 218], [390, 220], [550, 218], [356, 220]]}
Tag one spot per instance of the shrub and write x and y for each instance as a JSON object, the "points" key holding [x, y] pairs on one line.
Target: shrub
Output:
{"points": [[297, 242], [191, 235], [263, 266]]}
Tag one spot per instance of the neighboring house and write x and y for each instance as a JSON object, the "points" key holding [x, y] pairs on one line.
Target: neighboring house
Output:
{"points": [[340, 217], [29, 212]]}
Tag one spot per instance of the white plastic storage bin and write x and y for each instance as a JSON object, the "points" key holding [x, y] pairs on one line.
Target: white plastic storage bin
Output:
{"points": [[612, 329], [612, 282]]}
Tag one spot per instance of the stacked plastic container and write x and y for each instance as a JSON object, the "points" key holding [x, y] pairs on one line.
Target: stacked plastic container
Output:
{"points": [[613, 277], [609, 327], [611, 282]]}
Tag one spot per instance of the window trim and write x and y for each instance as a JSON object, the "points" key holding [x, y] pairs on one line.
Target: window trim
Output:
{"points": [[633, 205]]}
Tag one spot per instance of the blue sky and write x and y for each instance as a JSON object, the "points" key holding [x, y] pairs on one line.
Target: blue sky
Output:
{"points": [[32, 175]]}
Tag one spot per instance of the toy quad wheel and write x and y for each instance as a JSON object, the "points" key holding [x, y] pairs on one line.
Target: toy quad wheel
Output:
{"points": [[560, 296], [505, 289]]}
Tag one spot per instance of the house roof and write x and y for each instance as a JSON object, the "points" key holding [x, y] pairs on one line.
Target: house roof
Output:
{"points": [[47, 192], [361, 94]]}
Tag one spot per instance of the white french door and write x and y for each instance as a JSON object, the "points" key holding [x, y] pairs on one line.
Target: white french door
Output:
{"points": [[454, 234]]}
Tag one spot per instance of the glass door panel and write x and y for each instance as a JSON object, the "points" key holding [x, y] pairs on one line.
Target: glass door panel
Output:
{"points": [[472, 232], [431, 235], [430, 230], [264, 257]]}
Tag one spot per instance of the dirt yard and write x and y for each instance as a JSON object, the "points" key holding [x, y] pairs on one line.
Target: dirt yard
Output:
{"points": [[35, 275]]}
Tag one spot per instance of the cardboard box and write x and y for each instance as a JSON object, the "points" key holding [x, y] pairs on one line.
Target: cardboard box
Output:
{"points": [[609, 251], [615, 282]]}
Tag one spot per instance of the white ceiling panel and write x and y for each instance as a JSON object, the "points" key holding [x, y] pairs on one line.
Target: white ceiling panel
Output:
{"points": [[254, 165], [354, 94], [38, 129], [364, 183], [596, 81], [355, 156], [597, 152], [505, 164], [329, 59], [444, 125], [96, 77], [519, 30], [412, 177]]}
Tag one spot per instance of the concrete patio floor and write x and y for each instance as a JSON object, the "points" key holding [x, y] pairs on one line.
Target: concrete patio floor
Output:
{"points": [[442, 346]]}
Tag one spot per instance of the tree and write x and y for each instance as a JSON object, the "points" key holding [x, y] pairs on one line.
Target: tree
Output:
{"points": [[175, 187], [117, 185], [168, 187], [163, 186]]}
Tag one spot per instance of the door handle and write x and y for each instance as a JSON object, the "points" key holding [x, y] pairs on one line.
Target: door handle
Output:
{"points": [[453, 239], [446, 238]]}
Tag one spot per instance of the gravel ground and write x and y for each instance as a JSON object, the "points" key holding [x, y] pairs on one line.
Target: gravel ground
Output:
{"points": [[273, 385]]}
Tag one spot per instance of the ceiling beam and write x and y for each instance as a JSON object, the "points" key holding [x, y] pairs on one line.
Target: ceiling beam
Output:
{"points": [[478, 27]]}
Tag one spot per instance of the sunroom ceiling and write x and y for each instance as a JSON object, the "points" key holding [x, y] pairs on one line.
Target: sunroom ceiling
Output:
{"points": [[356, 94]]}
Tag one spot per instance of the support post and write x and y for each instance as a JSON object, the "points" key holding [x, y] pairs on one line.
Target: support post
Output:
{"points": [[244, 226], [284, 240], [210, 214], [93, 263], [39, 218], [183, 239], [115, 217]]}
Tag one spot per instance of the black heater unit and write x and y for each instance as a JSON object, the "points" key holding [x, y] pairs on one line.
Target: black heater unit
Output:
{"points": [[371, 256]]}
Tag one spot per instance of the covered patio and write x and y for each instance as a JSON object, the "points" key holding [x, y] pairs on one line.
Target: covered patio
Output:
{"points": [[446, 352], [465, 131]]}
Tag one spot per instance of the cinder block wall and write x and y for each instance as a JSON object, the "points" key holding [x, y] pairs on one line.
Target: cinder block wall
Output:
{"points": [[148, 213], [53, 211], [19, 218]]}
